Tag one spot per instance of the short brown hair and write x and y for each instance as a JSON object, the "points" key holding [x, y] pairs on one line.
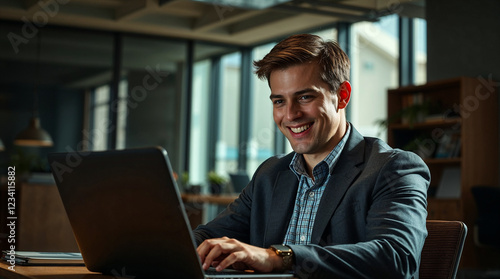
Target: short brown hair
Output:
{"points": [[297, 49]]}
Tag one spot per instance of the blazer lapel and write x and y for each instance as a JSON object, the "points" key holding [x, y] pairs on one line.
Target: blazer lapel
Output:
{"points": [[283, 201], [344, 173]]}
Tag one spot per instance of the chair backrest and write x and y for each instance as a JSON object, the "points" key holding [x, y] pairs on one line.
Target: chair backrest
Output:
{"points": [[442, 249]]}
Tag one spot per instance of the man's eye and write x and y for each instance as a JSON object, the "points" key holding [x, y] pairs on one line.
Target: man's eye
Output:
{"points": [[305, 97], [277, 102]]}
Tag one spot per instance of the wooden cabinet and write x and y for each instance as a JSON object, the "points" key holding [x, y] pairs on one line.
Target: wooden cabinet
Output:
{"points": [[41, 224], [451, 124], [444, 209]]}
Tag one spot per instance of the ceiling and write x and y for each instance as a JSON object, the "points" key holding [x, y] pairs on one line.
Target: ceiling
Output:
{"points": [[238, 22]]}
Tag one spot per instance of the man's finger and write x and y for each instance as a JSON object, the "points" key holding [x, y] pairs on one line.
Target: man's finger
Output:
{"points": [[216, 253], [231, 260]]}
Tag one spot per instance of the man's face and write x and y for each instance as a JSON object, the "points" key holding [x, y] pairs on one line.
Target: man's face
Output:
{"points": [[305, 110]]}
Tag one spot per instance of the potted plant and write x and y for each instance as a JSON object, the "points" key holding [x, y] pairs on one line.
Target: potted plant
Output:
{"points": [[216, 182]]}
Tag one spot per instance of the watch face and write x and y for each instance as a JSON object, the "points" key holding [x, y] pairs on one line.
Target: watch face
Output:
{"points": [[282, 249]]}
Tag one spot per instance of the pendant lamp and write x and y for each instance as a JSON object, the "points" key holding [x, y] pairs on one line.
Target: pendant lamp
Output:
{"points": [[34, 135]]}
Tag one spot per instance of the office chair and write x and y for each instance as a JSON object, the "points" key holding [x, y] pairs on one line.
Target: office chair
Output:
{"points": [[442, 249], [487, 227]]}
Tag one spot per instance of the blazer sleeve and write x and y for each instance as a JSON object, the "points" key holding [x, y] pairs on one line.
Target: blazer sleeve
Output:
{"points": [[232, 222], [235, 220], [395, 228]]}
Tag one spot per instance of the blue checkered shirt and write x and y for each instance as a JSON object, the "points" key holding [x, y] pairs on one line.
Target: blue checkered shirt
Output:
{"points": [[309, 193]]}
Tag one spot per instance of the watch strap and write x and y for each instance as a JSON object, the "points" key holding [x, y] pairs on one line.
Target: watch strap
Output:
{"points": [[286, 253]]}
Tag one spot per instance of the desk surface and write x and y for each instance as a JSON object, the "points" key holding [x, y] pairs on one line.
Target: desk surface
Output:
{"points": [[49, 272], [215, 199]]}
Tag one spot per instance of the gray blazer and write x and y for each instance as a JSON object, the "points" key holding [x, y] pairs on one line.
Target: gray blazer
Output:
{"points": [[370, 221]]}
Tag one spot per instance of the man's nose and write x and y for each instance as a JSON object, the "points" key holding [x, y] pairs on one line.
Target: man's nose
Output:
{"points": [[293, 111]]}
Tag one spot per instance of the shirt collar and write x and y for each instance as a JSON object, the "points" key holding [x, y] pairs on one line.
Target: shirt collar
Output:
{"points": [[297, 165]]}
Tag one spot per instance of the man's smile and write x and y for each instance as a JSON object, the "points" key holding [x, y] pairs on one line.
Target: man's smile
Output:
{"points": [[300, 129]]}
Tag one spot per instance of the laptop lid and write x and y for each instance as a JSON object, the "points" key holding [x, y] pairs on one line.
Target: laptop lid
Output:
{"points": [[126, 212]]}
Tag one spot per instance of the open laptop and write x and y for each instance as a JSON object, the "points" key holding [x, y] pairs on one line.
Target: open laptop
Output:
{"points": [[127, 215]]}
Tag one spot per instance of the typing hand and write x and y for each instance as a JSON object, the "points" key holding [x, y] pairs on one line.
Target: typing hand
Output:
{"points": [[225, 252]]}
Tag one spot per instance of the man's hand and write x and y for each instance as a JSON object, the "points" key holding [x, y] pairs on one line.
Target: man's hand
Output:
{"points": [[225, 252]]}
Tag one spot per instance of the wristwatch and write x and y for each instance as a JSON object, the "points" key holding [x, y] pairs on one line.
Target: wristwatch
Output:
{"points": [[285, 253]]}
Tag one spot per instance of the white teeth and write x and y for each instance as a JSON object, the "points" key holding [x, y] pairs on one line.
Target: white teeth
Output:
{"points": [[300, 129]]}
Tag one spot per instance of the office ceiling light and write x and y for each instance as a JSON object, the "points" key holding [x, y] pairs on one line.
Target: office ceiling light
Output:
{"points": [[34, 135]]}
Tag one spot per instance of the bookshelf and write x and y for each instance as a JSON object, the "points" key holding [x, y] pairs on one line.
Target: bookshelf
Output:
{"points": [[451, 124]]}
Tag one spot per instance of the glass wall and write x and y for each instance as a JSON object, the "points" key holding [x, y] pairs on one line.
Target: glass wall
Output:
{"points": [[199, 145], [60, 65], [75, 82], [81, 62], [206, 113], [420, 47], [229, 104], [122, 110], [263, 130], [152, 74], [100, 118], [327, 34], [374, 70]]}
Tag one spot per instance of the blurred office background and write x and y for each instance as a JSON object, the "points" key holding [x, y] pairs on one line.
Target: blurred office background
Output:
{"points": [[117, 74], [131, 83]]}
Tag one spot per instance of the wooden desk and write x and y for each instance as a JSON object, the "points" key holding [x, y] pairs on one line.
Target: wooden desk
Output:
{"points": [[46, 272], [42, 224], [194, 205], [215, 199]]}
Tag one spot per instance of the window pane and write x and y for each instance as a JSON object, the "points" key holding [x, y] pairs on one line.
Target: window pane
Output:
{"points": [[198, 168], [227, 144], [153, 70], [205, 114], [101, 95], [100, 119], [374, 69], [261, 144], [420, 33], [327, 34], [121, 132]]}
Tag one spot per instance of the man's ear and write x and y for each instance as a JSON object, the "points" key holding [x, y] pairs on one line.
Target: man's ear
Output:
{"points": [[344, 94]]}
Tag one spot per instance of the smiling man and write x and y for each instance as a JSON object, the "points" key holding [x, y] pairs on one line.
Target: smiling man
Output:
{"points": [[341, 205], [306, 112]]}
